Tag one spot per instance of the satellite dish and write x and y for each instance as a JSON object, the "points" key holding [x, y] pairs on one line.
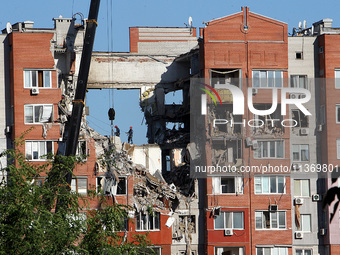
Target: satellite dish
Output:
{"points": [[304, 24], [8, 28], [190, 21], [300, 25]]}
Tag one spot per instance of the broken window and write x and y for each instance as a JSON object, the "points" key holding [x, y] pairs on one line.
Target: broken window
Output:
{"points": [[234, 220], [174, 97], [146, 221], [37, 150], [268, 124], [187, 222], [299, 55], [81, 149], [270, 220], [301, 188], [300, 152], [37, 78], [38, 113], [121, 187], [226, 76], [305, 223], [300, 118], [269, 149], [267, 79], [298, 81], [228, 126], [269, 184], [228, 185], [79, 185], [229, 251], [272, 251], [227, 151]]}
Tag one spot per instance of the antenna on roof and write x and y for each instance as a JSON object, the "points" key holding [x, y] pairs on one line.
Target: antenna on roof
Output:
{"points": [[304, 24], [9, 28]]}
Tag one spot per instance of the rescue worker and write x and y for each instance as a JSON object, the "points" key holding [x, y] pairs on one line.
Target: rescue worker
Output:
{"points": [[117, 132], [130, 134]]}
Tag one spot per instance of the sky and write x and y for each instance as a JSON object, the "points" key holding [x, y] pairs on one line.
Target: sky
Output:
{"points": [[115, 17]]}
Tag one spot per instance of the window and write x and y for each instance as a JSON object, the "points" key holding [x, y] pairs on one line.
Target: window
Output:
{"points": [[298, 81], [38, 113], [147, 250], [229, 250], [187, 222], [269, 149], [145, 221], [267, 79], [301, 188], [338, 148], [81, 149], [234, 220], [337, 112], [270, 220], [303, 252], [269, 184], [272, 251], [37, 78], [305, 223], [36, 150], [337, 79], [300, 152], [228, 185], [300, 118], [268, 123], [121, 187], [299, 55], [79, 185]]}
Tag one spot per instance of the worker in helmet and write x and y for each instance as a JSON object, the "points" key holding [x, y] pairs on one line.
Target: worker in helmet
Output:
{"points": [[130, 134], [117, 132]]}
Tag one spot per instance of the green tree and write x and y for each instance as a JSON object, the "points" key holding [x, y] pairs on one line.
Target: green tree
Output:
{"points": [[29, 225]]}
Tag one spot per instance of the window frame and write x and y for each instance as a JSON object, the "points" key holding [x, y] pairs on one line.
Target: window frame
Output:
{"points": [[299, 151], [338, 148], [337, 113], [298, 77], [301, 224], [262, 192], [337, 78], [278, 252], [76, 179], [300, 117], [26, 106], [304, 251], [300, 184], [263, 219], [38, 147], [260, 149], [267, 78], [224, 213], [141, 223], [29, 84], [217, 185]]}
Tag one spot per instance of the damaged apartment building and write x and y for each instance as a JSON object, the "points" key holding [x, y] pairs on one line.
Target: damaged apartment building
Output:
{"points": [[239, 214]]}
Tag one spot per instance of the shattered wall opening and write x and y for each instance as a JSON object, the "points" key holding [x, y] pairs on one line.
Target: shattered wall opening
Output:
{"points": [[268, 124], [227, 152]]}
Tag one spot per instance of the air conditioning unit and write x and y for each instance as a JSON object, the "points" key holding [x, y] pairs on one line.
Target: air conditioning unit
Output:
{"points": [[319, 128], [296, 167], [8, 129], [298, 201], [176, 235], [255, 145], [316, 197], [304, 131], [293, 96], [273, 208], [323, 231], [249, 142], [254, 91], [228, 232], [298, 235], [35, 91]]}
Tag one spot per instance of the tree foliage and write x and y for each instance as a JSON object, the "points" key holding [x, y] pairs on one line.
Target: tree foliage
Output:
{"points": [[30, 225]]}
